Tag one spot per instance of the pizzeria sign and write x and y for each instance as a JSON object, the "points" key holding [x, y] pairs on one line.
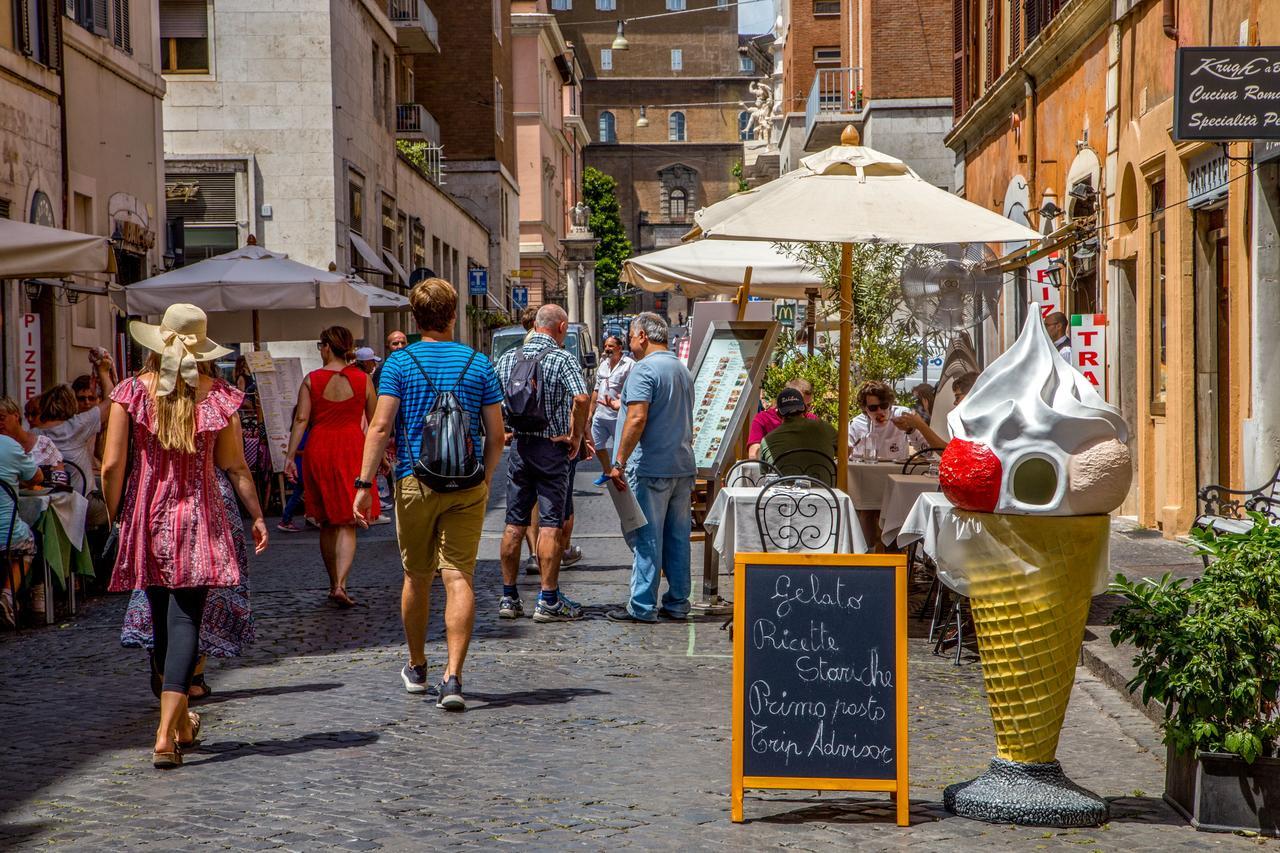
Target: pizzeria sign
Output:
{"points": [[1227, 94]]}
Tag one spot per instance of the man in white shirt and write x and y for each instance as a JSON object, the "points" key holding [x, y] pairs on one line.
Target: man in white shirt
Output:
{"points": [[606, 399], [891, 431], [1056, 325]]}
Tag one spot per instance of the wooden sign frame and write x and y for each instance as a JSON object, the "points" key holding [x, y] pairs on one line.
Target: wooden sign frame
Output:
{"points": [[899, 788]]}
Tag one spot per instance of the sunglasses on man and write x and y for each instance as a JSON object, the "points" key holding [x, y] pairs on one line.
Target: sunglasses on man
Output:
{"points": [[875, 407]]}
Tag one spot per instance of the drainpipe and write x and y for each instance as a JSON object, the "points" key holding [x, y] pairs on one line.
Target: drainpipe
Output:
{"points": [[62, 117], [1029, 125], [1169, 18]]}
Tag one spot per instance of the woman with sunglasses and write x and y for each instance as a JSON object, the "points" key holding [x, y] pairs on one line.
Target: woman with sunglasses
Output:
{"points": [[333, 404]]}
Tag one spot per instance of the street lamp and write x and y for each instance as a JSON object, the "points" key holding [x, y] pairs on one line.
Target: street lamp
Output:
{"points": [[643, 121], [1054, 271], [620, 40]]}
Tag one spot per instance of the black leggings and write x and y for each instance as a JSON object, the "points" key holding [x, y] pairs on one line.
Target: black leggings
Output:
{"points": [[175, 621]]}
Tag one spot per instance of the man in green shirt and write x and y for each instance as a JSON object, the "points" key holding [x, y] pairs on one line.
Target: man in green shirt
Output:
{"points": [[817, 440]]}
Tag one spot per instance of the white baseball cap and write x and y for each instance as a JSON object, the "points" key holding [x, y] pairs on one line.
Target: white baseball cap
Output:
{"points": [[366, 354]]}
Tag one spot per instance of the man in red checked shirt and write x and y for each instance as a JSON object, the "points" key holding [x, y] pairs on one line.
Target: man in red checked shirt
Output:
{"points": [[767, 421]]}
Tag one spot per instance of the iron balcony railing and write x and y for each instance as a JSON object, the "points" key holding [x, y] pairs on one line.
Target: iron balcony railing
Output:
{"points": [[415, 15], [413, 121], [835, 91]]}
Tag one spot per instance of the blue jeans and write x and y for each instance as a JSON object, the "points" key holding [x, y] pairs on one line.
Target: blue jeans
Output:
{"points": [[661, 546], [294, 503]]}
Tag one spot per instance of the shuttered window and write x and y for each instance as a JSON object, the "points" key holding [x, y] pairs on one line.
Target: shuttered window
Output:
{"points": [[121, 32], [994, 25], [957, 58], [34, 26], [208, 199], [184, 36], [1015, 31]]}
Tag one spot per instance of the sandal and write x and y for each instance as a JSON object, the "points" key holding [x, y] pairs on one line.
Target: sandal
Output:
{"points": [[187, 745], [197, 680], [166, 760]]}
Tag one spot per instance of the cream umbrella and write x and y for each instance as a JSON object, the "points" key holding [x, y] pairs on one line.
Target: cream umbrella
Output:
{"points": [[33, 251], [705, 268], [852, 194], [251, 292]]}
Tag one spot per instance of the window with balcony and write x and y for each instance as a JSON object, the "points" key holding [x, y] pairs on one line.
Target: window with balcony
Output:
{"points": [[746, 63], [675, 127], [675, 5], [606, 5], [606, 59], [184, 37], [608, 127], [823, 8], [677, 59]]}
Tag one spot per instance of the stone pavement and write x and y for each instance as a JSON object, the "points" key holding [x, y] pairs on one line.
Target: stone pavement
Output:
{"points": [[585, 736]]}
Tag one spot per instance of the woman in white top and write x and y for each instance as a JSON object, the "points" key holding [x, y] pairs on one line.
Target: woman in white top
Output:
{"points": [[72, 431]]}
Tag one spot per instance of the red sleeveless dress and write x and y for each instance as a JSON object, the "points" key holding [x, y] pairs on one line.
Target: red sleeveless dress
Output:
{"points": [[335, 449]]}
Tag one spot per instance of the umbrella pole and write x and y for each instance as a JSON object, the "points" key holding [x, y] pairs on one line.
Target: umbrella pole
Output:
{"points": [[257, 331], [744, 292], [846, 357]]}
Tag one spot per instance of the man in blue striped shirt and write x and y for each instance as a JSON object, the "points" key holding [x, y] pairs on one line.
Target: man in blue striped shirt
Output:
{"points": [[540, 464], [437, 531]]}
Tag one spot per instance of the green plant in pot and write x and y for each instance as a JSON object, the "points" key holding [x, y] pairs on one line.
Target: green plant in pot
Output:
{"points": [[1208, 650]]}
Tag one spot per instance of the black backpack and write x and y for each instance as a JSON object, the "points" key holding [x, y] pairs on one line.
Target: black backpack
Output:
{"points": [[447, 460], [523, 393]]}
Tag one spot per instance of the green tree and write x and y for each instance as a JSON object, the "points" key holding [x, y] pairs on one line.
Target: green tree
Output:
{"points": [[886, 345], [600, 192]]}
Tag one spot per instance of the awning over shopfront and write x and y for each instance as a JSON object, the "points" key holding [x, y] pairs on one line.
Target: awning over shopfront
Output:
{"points": [[33, 251], [371, 260], [707, 268], [402, 277]]}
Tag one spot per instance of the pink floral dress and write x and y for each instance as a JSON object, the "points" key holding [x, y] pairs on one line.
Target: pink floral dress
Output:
{"points": [[174, 530]]}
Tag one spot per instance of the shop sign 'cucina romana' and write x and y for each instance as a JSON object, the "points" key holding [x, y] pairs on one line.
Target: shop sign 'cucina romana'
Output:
{"points": [[1226, 94]]}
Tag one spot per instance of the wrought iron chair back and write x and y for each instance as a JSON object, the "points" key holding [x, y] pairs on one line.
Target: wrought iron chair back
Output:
{"points": [[11, 495], [798, 514], [804, 462], [76, 477], [1221, 502], [921, 460], [747, 472]]}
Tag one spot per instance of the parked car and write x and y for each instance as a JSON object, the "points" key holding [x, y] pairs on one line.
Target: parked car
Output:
{"points": [[578, 341]]}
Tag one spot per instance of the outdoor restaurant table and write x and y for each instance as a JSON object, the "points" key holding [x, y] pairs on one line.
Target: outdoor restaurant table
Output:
{"points": [[731, 524], [930, 511], [900, 493], [867, 481], [58, 521]]}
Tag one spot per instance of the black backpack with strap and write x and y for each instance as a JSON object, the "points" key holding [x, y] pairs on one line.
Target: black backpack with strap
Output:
{"points": [[523, 393], [447, 460]]}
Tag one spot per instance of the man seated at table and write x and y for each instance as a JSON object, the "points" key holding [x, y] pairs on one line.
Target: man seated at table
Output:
{"points": [[801, 431], [768, 420], [895, 432]]}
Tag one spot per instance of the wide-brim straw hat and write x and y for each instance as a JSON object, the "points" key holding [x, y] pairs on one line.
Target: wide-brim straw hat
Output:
{"points": [[182, 340]]}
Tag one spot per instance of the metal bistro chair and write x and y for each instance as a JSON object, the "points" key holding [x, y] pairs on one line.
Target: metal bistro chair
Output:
{"points": [[76, 478], [921, 460], [1223, 510], [789, 518], [741, 473], [802, 461], [6, 559]]}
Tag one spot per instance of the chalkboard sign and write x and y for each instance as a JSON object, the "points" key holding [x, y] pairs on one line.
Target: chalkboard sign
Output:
{"points": [[1227, 94], [820, 674]]}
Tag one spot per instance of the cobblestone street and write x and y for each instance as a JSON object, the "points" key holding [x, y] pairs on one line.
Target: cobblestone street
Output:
{"points": [[589, 735]]}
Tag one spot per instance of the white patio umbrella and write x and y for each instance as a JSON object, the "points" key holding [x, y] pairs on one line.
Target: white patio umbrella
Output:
{"points": [[252, 293], [33, 251], [705, 268], [851, 194]]}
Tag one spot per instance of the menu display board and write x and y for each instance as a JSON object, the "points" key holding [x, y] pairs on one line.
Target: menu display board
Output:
{"points": [[726, 379], [820, 674], [278, 382]]}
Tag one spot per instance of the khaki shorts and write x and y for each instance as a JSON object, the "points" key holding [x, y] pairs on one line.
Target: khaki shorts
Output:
{"points": [[438, 530]]}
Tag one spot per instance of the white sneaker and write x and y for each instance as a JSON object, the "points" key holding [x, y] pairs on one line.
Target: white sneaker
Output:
{"points": [[571, 555], [382, 519]]}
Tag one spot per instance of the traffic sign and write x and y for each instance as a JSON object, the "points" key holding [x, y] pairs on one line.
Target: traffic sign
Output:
{"points": [[477, 282], [520, 297]]}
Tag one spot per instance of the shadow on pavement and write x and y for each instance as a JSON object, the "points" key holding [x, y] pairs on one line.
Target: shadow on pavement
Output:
{"points": [[252, 692], [549, 696], [847, 811], [1148, 810], [231, 750]]}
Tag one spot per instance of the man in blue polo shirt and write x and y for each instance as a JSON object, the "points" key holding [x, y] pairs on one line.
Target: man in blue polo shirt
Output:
{"points": [[654, 458], [437, 531]]}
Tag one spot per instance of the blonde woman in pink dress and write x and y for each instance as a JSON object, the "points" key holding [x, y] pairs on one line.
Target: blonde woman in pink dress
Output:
{"points": [[170, 427]]}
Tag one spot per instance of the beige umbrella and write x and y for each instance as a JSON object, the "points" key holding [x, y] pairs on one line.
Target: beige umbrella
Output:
{"points": [[851, 194], [34, 251], [705, 268]]}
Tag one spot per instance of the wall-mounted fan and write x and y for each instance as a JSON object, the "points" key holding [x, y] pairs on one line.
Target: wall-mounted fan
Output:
{"points": [[945, 285]]}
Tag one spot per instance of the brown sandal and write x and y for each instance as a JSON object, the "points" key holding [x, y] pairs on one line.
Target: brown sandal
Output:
{"points": [[185, 746], [166, 760]]}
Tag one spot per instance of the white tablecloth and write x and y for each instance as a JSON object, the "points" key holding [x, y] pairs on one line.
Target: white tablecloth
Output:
{"points": [[930, 511], [71, 507], [731, 521], [900, 493], [867, 482]]}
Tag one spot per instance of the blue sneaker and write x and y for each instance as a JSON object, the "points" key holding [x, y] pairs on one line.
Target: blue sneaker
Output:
{"points": [[601, 480], [450, 695], [414, 677], [510, 608], [564, 610]]}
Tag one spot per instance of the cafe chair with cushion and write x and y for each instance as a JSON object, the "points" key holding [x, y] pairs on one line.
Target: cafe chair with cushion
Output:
{"points": [[798, 514], [803, 462], [747, 472], [919, 462]]}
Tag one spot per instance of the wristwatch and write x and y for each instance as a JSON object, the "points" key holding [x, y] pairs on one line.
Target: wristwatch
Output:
{"points": [[363, 484], [619, 464]]}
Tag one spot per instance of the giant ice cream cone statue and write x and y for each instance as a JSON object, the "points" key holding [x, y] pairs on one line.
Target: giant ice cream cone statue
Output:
{"points": [[1036, 461]]}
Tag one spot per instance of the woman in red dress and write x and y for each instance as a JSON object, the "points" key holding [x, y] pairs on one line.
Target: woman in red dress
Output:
{"points": [[334, 403]]}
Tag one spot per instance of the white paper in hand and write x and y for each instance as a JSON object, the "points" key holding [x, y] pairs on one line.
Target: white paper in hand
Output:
{"points": [[628, 508]]}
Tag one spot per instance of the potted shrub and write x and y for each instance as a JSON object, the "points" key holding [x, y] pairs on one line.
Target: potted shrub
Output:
{"points": [[1209, 651]]}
